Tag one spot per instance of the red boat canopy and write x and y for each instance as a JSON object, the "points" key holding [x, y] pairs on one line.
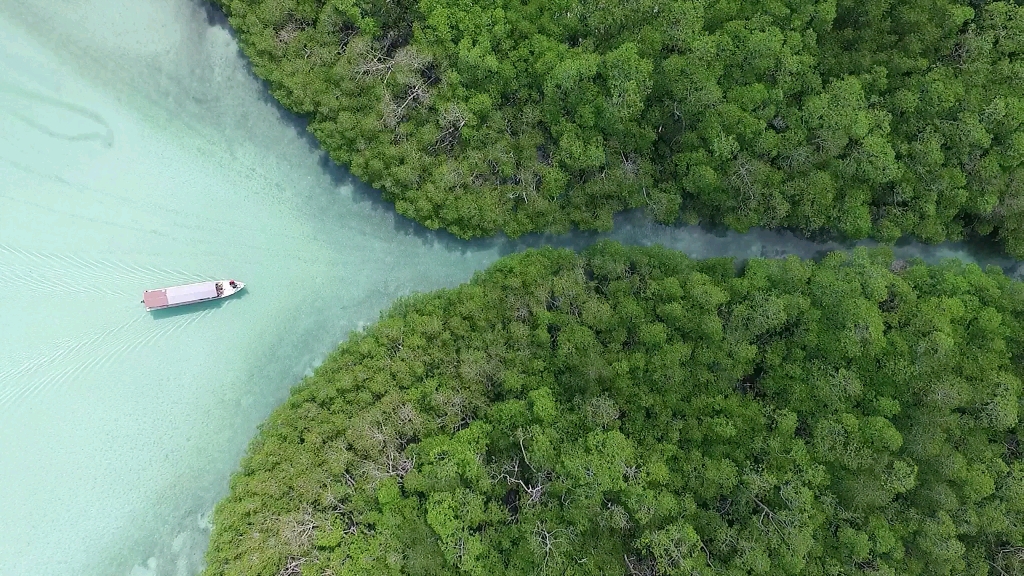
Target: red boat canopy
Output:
{"points": [[154, 298]]}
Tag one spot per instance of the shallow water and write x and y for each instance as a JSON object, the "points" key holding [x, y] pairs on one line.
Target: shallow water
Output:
{"points": [[136, 151]]}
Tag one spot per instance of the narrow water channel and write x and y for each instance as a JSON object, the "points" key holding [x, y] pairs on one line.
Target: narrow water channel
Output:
{"points": [[136, 151]]}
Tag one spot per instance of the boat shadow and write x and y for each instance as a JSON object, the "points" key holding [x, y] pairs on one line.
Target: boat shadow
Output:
{"points": [[166, 313]]}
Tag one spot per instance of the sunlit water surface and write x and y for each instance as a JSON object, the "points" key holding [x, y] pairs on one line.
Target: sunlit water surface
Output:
{"points": [[137, 151]]}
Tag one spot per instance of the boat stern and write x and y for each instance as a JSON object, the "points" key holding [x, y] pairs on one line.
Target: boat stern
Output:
{"points": [[155, 299]]}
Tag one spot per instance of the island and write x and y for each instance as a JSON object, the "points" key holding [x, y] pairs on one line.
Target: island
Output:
{"points": [[634, 411], [851, 118]]}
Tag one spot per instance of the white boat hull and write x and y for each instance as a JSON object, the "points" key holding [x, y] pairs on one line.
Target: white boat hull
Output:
{"points": [[185, 294]]}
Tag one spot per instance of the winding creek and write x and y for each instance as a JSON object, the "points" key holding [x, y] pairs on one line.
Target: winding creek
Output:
{"points": [[137, 150]]}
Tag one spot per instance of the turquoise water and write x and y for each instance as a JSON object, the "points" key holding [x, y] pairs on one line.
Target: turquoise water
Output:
{"points": [[137, 151]]}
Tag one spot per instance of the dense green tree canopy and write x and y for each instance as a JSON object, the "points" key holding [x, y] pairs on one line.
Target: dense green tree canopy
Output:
{"points": [[863, 117], [633, 411]]}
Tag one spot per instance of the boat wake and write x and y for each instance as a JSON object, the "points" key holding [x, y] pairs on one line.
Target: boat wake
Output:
{"points": [[69, 360], [33, 273], [36, 272]]}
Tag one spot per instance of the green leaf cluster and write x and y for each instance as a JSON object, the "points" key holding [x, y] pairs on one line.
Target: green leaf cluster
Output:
{"points": [[633, 411]]}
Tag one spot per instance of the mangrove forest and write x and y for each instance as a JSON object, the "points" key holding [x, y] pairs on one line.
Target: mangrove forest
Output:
{"points": [[632, 411], [851, 118]]}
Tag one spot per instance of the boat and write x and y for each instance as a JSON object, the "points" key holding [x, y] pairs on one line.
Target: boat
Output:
{"points": [[190, 294]]}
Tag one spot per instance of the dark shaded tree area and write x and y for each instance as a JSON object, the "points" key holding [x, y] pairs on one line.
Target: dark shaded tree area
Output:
{"points": [[861, 117], [633, 411]]}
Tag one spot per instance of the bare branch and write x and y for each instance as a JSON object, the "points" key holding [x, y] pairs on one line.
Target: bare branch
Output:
{"points": [[290, 31], [293, 567], [630, 164], [398, 464], [525, 459], [452, 120], [640, 567], [534, 492], [298, 529], [773, 519], [706, 553], [547, 539], [394, 113], [1001, 571]]}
